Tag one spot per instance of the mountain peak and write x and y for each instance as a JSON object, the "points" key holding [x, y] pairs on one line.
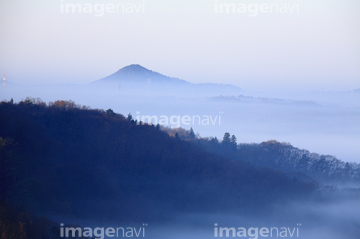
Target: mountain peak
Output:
{"points": [[136, 78], [134, 67], [136, 73], [136, 70]]}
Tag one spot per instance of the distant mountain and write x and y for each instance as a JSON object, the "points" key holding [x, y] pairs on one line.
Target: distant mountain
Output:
{"points": [[262, 100], [137, 80], [139, 74]]}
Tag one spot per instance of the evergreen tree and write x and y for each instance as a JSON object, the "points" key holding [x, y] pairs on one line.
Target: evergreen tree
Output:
{"points": [[233, 139], [214, 140], [233, 142], [226, 138], [110, 112], [129, 117], [192, 134]]}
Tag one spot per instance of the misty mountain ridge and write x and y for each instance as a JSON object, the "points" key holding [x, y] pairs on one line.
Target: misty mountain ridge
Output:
{"points": [[262, 100], [295, 162], [138, 74], [54, 156], [138, 80], [287, 158]]}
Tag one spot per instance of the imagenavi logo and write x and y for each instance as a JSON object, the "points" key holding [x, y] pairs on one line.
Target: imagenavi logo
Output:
{"points": [[123, 7], [256, 232], [102, 232], [176, 121], [254, 8]]}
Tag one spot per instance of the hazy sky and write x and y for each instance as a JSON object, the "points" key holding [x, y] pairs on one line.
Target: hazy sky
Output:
{"points": [[313, 45]]}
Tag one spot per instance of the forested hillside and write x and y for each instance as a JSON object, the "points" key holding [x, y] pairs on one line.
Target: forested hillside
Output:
{"points": [[295, 162], [17, 223], [63, 159]]}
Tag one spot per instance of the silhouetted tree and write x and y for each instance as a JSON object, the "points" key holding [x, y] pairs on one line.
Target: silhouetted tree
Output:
{"points": [[226, 138], [233, 139], [110, 112], [191, 133], [130, 117]]}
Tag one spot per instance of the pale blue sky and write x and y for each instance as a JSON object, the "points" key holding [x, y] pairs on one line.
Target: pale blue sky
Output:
{"points": [[316, 48]]}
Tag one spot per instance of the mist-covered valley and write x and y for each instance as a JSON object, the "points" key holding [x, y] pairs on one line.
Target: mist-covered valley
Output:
{"points": [[332, 220]]}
